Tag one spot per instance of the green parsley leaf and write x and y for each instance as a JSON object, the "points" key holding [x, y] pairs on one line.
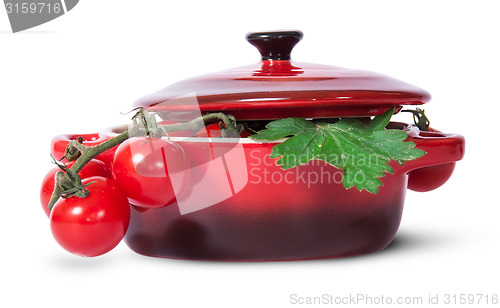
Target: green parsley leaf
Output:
{"points": [[380, 121], [362, 151]]}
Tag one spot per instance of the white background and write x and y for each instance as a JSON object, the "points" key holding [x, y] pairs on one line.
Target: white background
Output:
{"points": [[76, 73]]}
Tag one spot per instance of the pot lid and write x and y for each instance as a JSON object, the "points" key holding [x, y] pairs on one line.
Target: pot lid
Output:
{"points": [[278, 87]]}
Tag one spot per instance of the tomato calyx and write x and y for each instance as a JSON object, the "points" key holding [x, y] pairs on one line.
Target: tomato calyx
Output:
{"points": [[69, 183], [79, 191], [146, 120], [74, 149], [235, 130], [231, 131]]}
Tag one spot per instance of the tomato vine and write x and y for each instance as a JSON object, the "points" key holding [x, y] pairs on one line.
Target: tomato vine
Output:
{"points": [[67, 181]]}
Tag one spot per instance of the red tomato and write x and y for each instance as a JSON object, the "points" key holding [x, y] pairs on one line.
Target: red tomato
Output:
{"points": [[93, 168], [213, 131], [59, 143], [93, 225], [151, 171], [429, 178]]}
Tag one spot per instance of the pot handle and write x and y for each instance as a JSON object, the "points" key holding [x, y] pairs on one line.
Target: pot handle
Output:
{"points": [[434, 168]]}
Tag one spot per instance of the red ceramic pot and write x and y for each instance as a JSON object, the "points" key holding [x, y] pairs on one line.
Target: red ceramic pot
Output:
{"points": [[240, 206], [245, 208]]}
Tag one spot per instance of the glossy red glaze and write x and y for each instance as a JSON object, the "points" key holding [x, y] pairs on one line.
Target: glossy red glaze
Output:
{"points": [[274, 220], [447, 147], [301, 213], [278, 88]]}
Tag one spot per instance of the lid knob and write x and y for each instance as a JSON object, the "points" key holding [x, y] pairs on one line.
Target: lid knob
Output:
{"points": [[276, 45]]}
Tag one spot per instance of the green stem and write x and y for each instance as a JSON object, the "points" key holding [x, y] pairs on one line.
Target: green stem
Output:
{"points": [[199, 123], [56, 194], [90, 153]]}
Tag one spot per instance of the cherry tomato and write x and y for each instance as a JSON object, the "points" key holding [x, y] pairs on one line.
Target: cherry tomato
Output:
{"points": [[59, 143], [151, 171], [93, 225], [93, 168], [213, 131], [429, 178]]}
